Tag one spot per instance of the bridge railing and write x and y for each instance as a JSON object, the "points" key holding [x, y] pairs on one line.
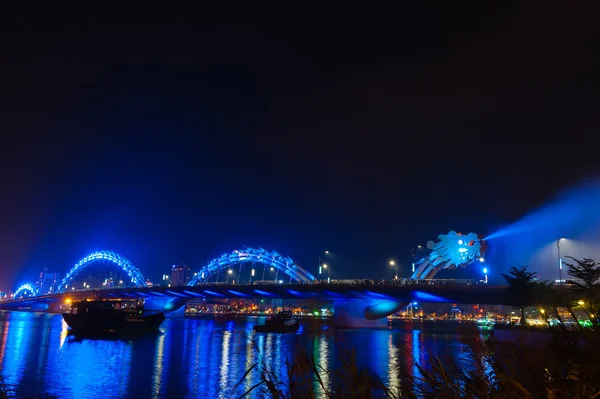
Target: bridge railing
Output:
{"points": [[400, 281], [405, 281]]}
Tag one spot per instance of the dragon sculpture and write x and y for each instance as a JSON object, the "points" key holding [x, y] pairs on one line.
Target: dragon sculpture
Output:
{"points": [[453, 250]]}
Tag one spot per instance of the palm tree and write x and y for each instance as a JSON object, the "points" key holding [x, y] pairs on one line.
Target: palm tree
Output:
{"points": [[522, 288]]}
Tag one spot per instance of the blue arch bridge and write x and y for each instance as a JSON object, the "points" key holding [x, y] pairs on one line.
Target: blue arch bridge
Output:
{"points": [[259, 273]]}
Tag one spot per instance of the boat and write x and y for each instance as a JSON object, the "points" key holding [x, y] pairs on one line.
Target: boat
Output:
{"points": [[106, 316], [281, 323]]}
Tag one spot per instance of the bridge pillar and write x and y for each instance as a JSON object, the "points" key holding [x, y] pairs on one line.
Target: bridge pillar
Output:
{"points": [[171, 307], [363, 313]]}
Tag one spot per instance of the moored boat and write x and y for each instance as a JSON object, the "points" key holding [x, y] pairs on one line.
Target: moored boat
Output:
{"points": [[111, 316], [282, 322]]}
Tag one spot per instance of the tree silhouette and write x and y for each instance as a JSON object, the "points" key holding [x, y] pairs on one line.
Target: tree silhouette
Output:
{"points": [[522, 288], [587, 284], [586, 270]]}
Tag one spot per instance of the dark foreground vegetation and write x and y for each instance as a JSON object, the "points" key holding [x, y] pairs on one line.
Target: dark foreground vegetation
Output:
{"points": [[566, 365]]}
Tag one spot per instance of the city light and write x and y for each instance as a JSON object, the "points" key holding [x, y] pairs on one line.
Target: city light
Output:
{"points": [[230, 271], [481, 260], [580, 303], [485, 270]]}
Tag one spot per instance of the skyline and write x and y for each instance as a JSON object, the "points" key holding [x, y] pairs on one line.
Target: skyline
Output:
{"points": [[173, 138]]}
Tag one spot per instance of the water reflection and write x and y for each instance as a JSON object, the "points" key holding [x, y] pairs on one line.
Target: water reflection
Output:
{"points": [[194, 358], [159, 361], [393, 365], [224, 369]]}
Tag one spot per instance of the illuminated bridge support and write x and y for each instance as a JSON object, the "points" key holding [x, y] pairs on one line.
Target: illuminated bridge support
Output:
{"points": [[171, 307], [364, 313]]}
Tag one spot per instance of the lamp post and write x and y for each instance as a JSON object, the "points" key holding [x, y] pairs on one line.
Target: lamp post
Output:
{"points": [[228, 273], [329, 272], [393, 263], [559, 261], [485, 271], [413, 256], [321, 265]]}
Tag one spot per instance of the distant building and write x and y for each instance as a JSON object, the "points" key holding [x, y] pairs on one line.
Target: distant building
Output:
{"points": [[180, 275], [47, 282]]}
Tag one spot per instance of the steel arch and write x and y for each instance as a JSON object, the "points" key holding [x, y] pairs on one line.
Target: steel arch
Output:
{"points": [[269, 258], [26, 287], [118, 260]]}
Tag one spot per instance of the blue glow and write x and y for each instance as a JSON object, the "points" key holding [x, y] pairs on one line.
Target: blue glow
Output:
{"points": [[427, 297], [213, 293], [378, 295], [269, 258], [175, 293], [452, 250], [237, 293], [485, 270], [25, 288], [265, 293], [192, 293], [136, 276], [414, 303]]}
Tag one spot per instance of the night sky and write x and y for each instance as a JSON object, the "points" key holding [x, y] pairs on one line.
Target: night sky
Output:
{"points": [[176, 135]]}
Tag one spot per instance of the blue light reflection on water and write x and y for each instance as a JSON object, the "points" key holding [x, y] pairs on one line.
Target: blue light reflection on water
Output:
{"points": [[193, 357]]}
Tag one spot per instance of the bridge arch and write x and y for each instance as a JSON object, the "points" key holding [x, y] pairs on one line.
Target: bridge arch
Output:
{"points": [[23, 289], [275, 261], [132, 271]]}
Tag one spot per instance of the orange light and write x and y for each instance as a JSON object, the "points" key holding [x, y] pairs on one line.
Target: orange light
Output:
{"points": [[68, 300]]}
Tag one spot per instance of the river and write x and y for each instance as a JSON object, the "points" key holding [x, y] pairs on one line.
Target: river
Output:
{"points": [[196, 357]]}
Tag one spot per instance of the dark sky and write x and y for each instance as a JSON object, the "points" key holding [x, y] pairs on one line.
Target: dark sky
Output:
{"points": [[175, 135]]}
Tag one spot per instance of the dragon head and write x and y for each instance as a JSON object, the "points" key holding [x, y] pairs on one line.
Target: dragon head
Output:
{"points": [[455, 250]]}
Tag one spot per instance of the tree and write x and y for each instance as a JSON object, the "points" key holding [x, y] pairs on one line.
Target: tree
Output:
{"points": [[586, 270], [522, 288], [587, 284]]}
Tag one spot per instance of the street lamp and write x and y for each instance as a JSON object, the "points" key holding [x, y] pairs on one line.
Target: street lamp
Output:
{"points": [[485, 272], [228, 273], [413, 256], [329, 272], [559, 260], [321, 261], [393, 263]]}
